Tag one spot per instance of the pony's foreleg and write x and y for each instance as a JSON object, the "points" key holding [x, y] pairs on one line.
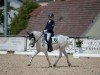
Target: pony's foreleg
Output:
{"points": [[30, 61], [60, 55], [46, 54], [66, 55]]}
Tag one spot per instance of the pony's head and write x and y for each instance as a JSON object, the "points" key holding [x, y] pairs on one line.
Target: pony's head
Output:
{"points": [[32, 39]]}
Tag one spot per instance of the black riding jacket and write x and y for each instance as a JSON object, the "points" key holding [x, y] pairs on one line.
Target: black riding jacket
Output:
{"points": [[49, 26]]}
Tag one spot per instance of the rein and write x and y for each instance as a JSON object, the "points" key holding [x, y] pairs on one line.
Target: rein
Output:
{"points": [[38, 38]]}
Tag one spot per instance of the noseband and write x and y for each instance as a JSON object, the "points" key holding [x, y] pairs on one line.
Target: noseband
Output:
{"points": [[34, 39]]}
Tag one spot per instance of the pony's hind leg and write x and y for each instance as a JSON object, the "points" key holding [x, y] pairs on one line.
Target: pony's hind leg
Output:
{"points": [[60, 55], [66, 55], [30, 61]]}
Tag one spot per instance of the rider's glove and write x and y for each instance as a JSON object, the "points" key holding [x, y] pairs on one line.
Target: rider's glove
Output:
{"points": [[45, 31]]}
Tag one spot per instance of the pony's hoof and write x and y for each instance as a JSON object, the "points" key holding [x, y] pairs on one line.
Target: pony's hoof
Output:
{"points": [[69, 65], [54, 65], [29, 65]]}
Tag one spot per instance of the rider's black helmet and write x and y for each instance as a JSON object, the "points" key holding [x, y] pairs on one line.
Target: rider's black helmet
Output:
{"points": [[50, 15]]}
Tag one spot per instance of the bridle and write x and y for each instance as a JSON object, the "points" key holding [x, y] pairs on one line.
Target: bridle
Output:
{"points": [[33, 36]]}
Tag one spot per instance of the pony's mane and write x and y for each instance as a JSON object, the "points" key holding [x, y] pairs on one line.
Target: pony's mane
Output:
{"points": [[36, 32]]}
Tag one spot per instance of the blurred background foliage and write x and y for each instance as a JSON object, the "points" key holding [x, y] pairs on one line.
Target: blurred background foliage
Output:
{"points": [[20, 21]]}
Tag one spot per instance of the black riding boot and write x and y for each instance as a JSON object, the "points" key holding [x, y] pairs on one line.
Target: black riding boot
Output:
{"points": [[50, 47]]}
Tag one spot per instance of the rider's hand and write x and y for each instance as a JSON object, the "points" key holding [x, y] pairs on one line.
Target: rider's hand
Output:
{"points": [[45, 31]]}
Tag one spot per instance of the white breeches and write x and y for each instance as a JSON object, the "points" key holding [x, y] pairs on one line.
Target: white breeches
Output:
{"points": [[48, 36]]}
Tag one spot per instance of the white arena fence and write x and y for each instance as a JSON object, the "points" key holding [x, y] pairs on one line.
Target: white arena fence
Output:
{"points": [[89, 48], [20, 45], [12, 43]]}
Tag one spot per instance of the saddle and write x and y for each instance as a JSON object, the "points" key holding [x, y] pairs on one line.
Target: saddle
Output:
{"points": [[53, 40]]}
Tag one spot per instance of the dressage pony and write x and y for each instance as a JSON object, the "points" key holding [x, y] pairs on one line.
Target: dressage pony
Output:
{"points": [[36, 37]]}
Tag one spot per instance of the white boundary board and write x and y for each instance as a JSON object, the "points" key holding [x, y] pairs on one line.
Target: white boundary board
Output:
{"points": [[77, 55], [12, 43]]}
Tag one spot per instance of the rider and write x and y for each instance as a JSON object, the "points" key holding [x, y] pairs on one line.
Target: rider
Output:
{"points": [[49, 31]]}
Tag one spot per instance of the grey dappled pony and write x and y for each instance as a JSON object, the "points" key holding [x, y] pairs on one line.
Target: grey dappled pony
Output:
{"points": [[35, 37]]}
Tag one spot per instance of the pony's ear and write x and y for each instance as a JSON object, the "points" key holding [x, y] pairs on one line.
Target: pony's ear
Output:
{"points": [[28, 33]]}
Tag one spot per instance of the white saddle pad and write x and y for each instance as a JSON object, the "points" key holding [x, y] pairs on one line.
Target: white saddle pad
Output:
{"points": [[54, 39]]}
